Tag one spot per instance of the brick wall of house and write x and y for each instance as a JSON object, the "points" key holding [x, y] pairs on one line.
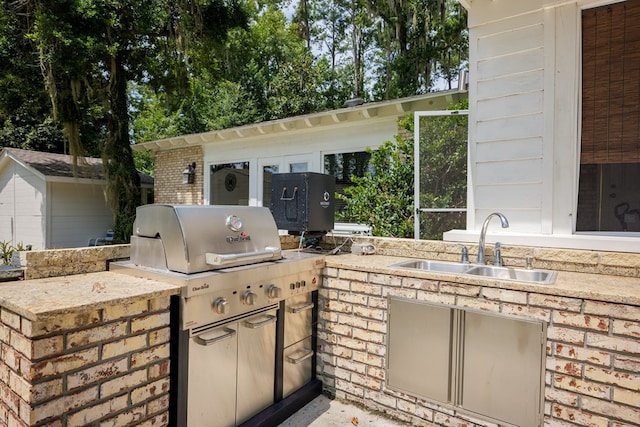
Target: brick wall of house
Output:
{"points": [[592, 373], [107, 367], [168, 186]]}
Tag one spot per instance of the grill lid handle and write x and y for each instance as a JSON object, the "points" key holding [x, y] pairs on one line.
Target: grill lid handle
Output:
{"points": [[225, 259]]}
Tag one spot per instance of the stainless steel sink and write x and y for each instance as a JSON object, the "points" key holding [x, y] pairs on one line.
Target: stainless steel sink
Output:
{"points": [[510, 273], [439, 266], [503, 273]]}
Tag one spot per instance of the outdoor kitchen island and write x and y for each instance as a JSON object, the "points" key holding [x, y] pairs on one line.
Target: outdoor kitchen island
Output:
{"points": [[82, 348], [86, 347], [588, 341]]}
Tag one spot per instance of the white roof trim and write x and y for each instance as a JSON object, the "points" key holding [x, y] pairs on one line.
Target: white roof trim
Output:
{"points": [[368, 111], [18, 161]]}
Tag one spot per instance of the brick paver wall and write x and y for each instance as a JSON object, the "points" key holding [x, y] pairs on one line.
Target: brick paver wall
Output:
{"points": [[168, 186], [592, 373], [104, 367]]}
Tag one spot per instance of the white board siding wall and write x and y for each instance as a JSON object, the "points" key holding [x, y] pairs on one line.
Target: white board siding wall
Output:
{"points": [[541, 213], [22, 208], [6, 204], [298, 145], [77, 212], [507, 171]]}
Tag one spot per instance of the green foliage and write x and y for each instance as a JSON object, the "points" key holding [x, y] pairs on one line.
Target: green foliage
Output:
{"points": [[273, 67], [25, 120], [7, 250], [420, 40], [443, 171], [383, 198], [215, 106], [91, 77], [144, 162], [151, 120], [452, 43]]}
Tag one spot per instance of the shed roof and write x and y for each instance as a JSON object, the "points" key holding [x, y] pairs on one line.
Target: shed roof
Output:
{"points": [[341, 117], [61, 165]]}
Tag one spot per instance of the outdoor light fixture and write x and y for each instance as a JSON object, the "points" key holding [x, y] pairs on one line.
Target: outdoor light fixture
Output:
{"points": [[189, 174]]}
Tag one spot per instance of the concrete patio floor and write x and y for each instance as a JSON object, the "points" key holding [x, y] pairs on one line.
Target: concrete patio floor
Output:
{"points": [[325, 412]]}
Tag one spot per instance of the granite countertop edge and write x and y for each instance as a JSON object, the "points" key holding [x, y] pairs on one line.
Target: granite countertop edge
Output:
{"points": [[615, 289], [40, 299]]}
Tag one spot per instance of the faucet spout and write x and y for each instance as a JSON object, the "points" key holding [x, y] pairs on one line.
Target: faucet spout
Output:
{"points": [[505, 224]]}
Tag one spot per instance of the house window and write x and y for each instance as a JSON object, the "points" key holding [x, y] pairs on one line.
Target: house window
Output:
{"points": [[344, 166], [229, 184], [609, 194]]}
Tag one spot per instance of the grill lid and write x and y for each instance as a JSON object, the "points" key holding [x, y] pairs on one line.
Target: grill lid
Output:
{"points": [[192, 238]]}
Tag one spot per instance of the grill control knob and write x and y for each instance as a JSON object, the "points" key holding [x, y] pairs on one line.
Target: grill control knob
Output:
{"points": [[248, 298], [220, 305], [273, 291]]}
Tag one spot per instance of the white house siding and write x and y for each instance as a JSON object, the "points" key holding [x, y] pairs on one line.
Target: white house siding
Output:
{"points": [[524, 123], [21, 207], [6, 205], [303, 145], [507, 122], [77, 213]]}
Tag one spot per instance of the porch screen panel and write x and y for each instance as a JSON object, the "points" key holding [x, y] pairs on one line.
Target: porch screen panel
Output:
{"points": [[611, 84]]}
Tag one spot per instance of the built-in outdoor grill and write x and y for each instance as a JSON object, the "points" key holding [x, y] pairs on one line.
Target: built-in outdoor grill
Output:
{"points": [[243, 337]]}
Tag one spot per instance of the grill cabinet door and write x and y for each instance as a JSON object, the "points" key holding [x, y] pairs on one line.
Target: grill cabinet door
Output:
{"points": [[256, 364], [298, 318], [298, 362], [211, 396]]}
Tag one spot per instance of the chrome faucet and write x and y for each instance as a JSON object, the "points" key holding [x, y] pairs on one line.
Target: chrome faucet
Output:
{"points": [[483, 233]]}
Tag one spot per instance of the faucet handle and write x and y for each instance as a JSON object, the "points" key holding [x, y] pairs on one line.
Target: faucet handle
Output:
{"points": [[498, 254], [465, 255], [529, 262]]}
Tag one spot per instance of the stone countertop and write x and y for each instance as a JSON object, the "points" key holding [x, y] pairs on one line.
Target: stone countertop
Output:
{"points": [[616, 289], [9, 273], [40, 299]]}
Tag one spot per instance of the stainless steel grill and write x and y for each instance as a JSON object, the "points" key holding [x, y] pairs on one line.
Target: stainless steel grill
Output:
{"points": [[241, 295], [191, 239]]}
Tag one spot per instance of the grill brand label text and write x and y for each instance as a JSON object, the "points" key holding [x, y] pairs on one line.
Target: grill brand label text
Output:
{"points": [[242, 237]]}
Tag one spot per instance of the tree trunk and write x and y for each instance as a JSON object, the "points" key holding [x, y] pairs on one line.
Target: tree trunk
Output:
{"points": [[122, 176]]}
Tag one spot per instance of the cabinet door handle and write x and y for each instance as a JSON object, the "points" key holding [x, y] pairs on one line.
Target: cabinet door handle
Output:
{"points": [[202, 340], [301, 308], [254, 325], [297, 360]]}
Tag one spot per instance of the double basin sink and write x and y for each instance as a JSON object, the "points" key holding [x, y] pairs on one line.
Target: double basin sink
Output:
{"points": [[541, 277]]}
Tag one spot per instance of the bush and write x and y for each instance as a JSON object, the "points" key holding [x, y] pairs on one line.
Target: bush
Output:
{"points": [[7, 250], [383, 198]]}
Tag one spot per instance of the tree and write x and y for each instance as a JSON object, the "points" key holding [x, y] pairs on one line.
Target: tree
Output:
{"points": [[273, 65], [452, 44], [24, 114], [415, 36], [88, 52]]}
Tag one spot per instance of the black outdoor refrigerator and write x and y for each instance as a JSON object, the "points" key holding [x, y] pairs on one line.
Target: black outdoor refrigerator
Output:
{"points": [[303, 203]]}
